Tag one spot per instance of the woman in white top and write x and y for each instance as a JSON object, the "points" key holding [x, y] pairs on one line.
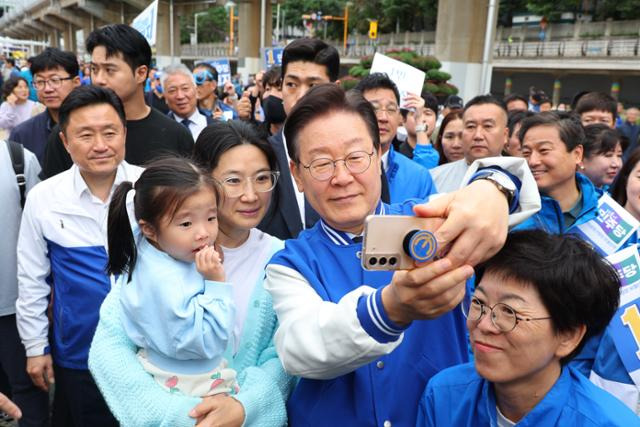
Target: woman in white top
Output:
{"points": [[17, 107], [245, 166]]}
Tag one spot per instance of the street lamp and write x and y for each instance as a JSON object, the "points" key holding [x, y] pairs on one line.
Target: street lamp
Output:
{"points": [[230, 6], [195, 23]]}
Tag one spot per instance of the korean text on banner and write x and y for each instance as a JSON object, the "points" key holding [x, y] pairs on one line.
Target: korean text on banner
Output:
{"points": [[223, 67], [625, 325], [611, 228], [147, 23], [408, 79]]}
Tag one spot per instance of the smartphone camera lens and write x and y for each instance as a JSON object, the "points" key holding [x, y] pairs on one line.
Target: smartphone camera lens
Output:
{"points": [[373, 260], [383, 261], [392, 260]]}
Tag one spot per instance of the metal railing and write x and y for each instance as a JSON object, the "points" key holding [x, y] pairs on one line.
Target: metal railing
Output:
{"points": [[620, 48], [205, 50]]}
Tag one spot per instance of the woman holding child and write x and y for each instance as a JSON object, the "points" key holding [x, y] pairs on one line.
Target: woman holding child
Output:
{"points": [[245, 168]]}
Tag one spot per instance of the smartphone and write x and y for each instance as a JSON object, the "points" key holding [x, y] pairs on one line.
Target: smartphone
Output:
{"points": [[396, 242]]}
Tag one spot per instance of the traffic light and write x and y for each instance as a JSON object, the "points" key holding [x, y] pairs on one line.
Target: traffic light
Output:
{"points": [[373, 29]]}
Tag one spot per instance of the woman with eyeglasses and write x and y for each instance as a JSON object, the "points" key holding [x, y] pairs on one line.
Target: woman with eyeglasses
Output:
{"points": [[245, 167], [17, 107], [537, 302]]}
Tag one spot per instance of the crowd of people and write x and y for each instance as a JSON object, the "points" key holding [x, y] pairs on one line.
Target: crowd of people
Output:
{"points": [[181, 252]]}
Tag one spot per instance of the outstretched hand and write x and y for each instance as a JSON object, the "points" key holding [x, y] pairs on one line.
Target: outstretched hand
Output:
{"points": [[476, 222]]}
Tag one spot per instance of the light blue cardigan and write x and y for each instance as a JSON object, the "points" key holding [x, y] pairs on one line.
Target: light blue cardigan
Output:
{"points": [[136, 399]]}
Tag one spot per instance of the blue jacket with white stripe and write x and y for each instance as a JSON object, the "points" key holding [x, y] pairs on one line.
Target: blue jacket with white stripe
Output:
{"points": [[390, 387], [62, 257]]}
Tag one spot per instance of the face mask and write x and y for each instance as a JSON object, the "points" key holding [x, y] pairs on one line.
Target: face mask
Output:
{"points": [[273, 109]]}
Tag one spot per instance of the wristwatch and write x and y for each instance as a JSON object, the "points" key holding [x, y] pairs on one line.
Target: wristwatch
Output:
{"points": [[421, 127], [502, 183]]}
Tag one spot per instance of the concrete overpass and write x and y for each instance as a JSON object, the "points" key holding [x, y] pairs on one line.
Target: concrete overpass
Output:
{"points": [[608, 48], [65, 23]]}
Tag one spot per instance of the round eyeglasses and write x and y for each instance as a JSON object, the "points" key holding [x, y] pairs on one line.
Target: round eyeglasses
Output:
{"points": [[503, 317], [323, 169], [262, 182], [54, 82]]}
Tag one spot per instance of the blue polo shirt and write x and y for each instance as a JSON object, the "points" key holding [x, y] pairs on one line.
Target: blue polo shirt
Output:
{"points": [[33, 133]]}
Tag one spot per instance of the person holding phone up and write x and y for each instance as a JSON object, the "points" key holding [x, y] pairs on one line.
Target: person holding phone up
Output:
{"points": [[366, 343]]}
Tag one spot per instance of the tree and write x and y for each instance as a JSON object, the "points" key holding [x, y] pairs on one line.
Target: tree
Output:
{"points": [[212, 27]]}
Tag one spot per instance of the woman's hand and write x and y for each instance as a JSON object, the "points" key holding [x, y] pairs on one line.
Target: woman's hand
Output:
{"points": [[12, 99], [220, 410]]}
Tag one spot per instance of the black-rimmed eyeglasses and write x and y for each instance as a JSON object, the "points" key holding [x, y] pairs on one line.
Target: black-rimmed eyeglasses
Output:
{"points": [[54, 82]]}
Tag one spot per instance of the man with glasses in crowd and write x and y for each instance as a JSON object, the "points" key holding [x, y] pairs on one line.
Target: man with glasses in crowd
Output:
{"points": [[404, 178], [206, 77], [55, 74], [366, 342], [120, 61]]}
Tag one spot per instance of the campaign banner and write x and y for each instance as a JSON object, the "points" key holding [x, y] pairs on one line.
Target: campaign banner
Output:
{"points": [[222, 66], [147, 23], [611, 228], [272, 56], [407, 78], [625, 325]]}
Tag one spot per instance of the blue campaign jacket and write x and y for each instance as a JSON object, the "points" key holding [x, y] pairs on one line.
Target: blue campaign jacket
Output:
{"points": [[460, 397], [407, 179], [550, 218], [377, 391]]}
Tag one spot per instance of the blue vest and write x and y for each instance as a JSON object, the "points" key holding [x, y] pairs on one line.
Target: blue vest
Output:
{"points": [[390, 387]]}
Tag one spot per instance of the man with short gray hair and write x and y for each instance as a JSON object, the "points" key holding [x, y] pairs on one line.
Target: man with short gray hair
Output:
{"points": [[180, 94]]}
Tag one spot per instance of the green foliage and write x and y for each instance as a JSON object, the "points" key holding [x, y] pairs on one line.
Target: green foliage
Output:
{"points": [[447, 89], [212, 27], [348, 82], [366, 61], [600, 10], [441, 76], [430, 87], [426, 63], [436, 79]]}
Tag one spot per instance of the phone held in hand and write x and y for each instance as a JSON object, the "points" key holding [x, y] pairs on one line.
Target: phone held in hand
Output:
{"points": [[396, 242]]}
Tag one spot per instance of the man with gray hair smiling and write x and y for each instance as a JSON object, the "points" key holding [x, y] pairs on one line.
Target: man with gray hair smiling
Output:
{"points": [[181, 97]]}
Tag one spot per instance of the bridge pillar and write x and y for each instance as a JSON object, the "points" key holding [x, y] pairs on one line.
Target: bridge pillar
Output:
{"points": [[249, 61], [460, 42], [163, 51]]}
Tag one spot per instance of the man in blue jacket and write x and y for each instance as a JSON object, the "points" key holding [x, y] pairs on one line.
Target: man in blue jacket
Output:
{"points": [[365, 343], [62, 255], [406, 178]]}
